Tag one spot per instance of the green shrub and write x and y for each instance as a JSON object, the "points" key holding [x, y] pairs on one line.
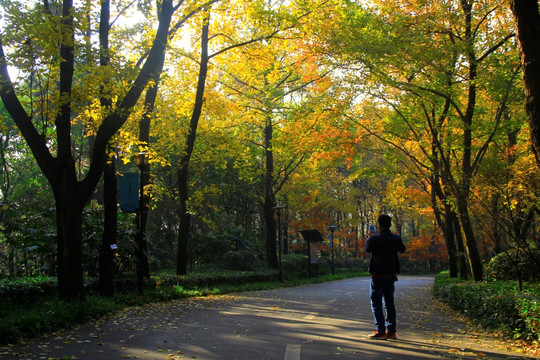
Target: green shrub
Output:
{"points": [[212, 278], [205, 248], [493, 305], [352, 263], [529, 311], [26, 290], [240, 260], [506, 265], [294, 265]]}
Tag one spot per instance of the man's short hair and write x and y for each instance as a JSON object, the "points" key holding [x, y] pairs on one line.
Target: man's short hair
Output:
{"points": [[385, 221]]}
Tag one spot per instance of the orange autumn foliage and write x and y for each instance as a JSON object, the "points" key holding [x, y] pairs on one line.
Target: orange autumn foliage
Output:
{"points": [[426, 246]]}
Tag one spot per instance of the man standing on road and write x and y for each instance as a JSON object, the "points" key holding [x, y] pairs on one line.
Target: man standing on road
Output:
{"points": [[383, 267]]}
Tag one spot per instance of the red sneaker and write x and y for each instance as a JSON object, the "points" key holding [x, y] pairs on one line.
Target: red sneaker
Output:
{"points": [[377, 336], [391, 336]]}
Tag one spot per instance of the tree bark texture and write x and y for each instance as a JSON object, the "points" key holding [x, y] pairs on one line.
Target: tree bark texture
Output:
{"points": [[527, 18], [444, 221], [184, 223], [462, 252], [450, 238], [269, 200], [110, 229], [69, 244], [110, 183], [470, 240], [182, 207]]}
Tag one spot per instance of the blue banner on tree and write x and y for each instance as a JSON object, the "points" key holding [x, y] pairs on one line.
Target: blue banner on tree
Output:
{"points": [[128, 186]]}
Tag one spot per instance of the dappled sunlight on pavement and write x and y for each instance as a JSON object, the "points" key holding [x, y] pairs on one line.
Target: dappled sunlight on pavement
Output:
{"points": [[323, 321]]}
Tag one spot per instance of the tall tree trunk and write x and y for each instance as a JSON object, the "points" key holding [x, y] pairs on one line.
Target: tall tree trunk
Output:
{"points": [[450, 238], [142, 219], [444, 221], [462, 252], [110, 228], [461, 187], [69, 242], [475, 261], [144, 138], [5, 190], [110, 183], [269, 201], [527, 18], [495, 227], [5, 183], [285, 227], [183, 168], [184, 224]]}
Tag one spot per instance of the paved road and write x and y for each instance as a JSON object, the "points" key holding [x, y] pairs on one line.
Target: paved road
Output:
{"points": [[324, 321]]}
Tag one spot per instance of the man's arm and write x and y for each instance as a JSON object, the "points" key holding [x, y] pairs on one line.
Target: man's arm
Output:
{"points": [[401, 247], [368, 246]]}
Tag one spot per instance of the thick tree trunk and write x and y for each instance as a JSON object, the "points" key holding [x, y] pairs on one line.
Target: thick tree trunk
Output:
{"points": [[144, 138], [461, 190], [447, 227], [110, 183], [143, 219], [462, 252], [270, 234], [5, 184], [450, 238], [444, 218], [527, 18], [269, 201], [285, 227], [69, 242], [184, 223], [495, 227], [472, 246], [183, 168], [110, 227]]}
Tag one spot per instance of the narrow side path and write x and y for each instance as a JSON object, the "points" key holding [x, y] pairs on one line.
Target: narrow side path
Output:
{"points": [[323, 321]]}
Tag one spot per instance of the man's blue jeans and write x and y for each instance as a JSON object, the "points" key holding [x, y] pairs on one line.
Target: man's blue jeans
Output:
{"points": [[383, 288]]}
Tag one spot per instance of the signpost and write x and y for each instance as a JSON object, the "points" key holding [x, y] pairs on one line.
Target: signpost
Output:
{"points": [[312, 236], [332, 228]]}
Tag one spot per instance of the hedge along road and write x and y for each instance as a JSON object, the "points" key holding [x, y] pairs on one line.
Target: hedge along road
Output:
{"points": [[323, 321]]}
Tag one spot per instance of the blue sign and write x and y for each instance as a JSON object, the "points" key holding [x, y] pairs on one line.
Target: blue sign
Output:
{"points": [[128, 186]]}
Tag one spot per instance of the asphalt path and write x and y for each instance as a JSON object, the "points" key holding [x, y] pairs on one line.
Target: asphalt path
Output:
{"points": [[323, 321]]}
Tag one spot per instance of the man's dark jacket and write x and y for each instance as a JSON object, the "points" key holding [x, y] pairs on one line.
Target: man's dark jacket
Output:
{"points": [[384, 248]]}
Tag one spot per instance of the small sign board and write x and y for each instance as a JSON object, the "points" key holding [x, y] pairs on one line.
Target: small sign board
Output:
{"points": [[313, 255], [312, 237], [128, 187]]}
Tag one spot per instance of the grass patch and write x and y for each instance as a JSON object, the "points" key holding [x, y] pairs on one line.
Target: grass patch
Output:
{"points": [[49, 315]]}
